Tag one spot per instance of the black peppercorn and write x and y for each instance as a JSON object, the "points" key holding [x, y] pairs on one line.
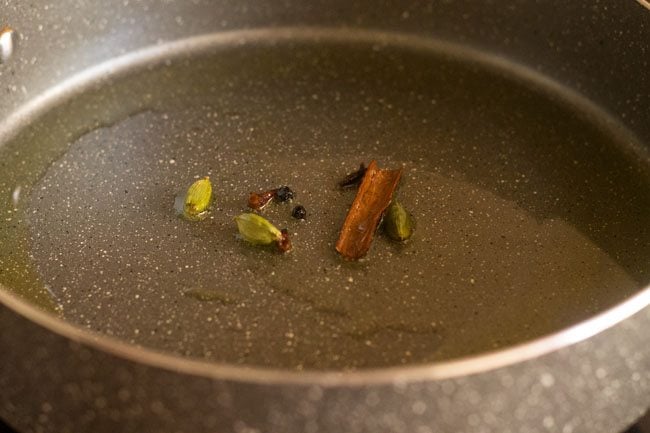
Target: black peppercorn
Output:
{"points": [[284, 193], [299, 212]]}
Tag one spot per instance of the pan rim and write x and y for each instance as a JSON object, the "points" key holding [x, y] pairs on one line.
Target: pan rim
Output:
{"points": [[464, 366], [450, 369]]}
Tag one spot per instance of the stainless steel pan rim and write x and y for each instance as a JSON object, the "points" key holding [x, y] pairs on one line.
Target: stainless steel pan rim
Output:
{"points": [[436, 371]]}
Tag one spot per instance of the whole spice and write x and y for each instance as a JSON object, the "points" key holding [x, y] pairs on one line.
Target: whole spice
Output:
{"points": [[353, 178], [372, 199], [197, 198], [299, 212], [257, 230], [258, 201], [283, 194], [398, 224], [284, 244]]}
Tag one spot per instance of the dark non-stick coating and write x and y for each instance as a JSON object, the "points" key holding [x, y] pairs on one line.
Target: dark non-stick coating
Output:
{"points": [[531, 204], [56, 377]]}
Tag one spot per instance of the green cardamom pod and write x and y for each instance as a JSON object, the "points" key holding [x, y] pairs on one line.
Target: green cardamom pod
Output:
{"points": [[257, 230], [398, 224], [198, 198]]}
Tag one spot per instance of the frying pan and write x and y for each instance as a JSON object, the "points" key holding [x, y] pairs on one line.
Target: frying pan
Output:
{"points": [[520, 304]]}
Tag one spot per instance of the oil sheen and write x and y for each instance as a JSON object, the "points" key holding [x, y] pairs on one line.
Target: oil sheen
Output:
{"points": [[531, 207]]}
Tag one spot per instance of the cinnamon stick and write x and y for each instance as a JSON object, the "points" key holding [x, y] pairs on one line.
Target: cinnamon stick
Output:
{"points": [[373, 197]]}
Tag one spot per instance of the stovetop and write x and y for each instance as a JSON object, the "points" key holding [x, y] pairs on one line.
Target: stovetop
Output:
{"points": [[642, 426]]}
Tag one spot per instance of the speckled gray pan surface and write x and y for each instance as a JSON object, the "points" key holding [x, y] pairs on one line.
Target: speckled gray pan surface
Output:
{"points": [[58, 385], [527, 221], [528, 178]]}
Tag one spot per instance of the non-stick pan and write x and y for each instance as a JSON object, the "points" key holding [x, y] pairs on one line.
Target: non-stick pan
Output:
{"points": [[519, 304]]}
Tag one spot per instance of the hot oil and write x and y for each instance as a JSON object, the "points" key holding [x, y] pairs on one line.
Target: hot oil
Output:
{"points": [[531, 215]]}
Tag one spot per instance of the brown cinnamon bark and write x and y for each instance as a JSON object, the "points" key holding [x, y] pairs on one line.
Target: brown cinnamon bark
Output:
{"points": [[373, 197]]}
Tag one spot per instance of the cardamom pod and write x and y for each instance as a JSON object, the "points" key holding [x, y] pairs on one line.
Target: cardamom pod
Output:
{"points": [[398, 224], [257, 230], [198, 198]]}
